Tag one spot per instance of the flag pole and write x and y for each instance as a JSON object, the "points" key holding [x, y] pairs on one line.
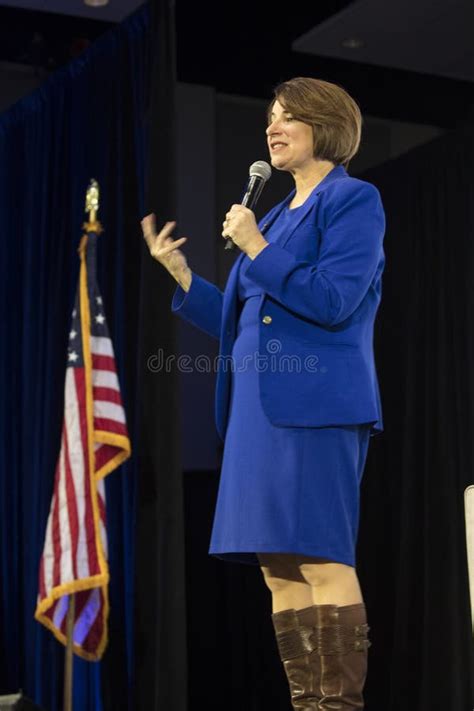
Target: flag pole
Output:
{"points": [[69, 656], [92, 207]]}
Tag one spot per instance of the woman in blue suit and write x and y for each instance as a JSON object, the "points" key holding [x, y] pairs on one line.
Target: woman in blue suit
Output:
{"points": [[297, 396]]}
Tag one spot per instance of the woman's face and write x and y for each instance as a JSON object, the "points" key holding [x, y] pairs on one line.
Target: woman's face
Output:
{"points": [[290, 141]]}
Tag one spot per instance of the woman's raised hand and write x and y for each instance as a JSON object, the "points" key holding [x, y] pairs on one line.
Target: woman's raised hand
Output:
{"points": [[165, 250]]}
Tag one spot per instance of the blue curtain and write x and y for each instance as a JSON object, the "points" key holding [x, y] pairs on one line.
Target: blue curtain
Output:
{"points": [[85, 121]]}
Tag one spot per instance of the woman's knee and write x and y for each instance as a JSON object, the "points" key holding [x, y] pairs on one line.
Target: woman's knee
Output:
{"points": [[319, 572], [280, 571]]}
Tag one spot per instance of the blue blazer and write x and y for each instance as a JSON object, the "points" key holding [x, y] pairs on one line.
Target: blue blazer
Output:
{"points": [[321, 288]]}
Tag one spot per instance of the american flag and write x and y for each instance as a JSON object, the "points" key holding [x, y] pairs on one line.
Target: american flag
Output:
{"points": [[94, 442]]}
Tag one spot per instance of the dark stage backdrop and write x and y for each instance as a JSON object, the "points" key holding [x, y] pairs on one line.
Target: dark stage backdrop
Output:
{"points": [[160, 680], [412, 547], [95, 118], [411, 551]]}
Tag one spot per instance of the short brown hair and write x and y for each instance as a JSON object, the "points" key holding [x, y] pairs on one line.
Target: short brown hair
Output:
{"points": [[334, 116]]}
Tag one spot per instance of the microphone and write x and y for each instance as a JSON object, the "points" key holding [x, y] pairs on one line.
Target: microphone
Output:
{"points": [[259, 172]]}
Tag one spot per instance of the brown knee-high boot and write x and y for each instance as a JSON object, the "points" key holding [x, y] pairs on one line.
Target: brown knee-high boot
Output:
{"points": [[324, 652]]}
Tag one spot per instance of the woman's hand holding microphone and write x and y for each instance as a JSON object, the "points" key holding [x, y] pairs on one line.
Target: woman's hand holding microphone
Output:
{"points": [[165, 250]]}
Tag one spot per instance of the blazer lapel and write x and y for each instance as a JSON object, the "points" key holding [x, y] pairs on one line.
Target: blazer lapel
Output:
{"points": [[335, 174]]}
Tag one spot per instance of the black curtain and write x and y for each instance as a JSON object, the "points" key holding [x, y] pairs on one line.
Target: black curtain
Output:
{"points": [[412, 546], [160, 604], [412, 560]]}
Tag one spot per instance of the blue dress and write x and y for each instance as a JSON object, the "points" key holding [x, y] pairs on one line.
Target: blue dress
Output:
{"points": [[282, 489]]}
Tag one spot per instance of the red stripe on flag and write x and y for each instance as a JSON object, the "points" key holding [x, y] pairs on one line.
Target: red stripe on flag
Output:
{"points": [[42, 587], [102, 362], [56, 531], [63, 625], [94, 568], [101, 508], [107, 395], [104, 455], [106, 425], [71, 505], [82, 598]]}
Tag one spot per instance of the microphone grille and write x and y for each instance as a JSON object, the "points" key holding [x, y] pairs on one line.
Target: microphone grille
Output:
{"points": [[261, 169]]}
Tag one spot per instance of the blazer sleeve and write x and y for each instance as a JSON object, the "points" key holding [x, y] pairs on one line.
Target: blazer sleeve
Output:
{"points": [[201, 305], [331, 289]]}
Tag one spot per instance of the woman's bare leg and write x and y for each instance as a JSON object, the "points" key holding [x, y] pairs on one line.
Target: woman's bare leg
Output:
{"points": [[331, 583], [285, 582], [300, 581]]}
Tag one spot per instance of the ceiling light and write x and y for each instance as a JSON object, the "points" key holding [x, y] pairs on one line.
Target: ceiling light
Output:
{"points": [[96, 3], [352, 43]]}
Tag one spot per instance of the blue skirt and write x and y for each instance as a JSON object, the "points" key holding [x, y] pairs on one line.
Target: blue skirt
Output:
{"points": [[283, 489]]}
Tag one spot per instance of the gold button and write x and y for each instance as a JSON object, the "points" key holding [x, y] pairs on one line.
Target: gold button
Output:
{"points": [[267, 319]]}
